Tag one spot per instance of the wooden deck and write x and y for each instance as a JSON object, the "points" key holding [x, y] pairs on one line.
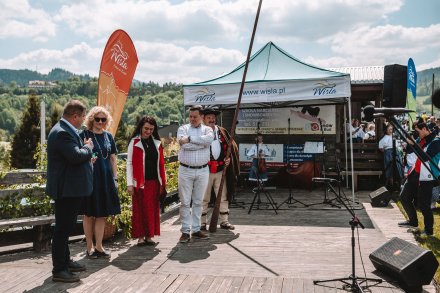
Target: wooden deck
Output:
{"points": [[266, 253]]}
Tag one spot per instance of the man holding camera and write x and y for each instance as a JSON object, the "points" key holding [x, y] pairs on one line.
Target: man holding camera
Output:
{"points": [[216, 164]]}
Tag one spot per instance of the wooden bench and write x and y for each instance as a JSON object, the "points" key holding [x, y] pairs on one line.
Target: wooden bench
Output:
{"points": [[40, 225], [367, 161], [41, 229]]}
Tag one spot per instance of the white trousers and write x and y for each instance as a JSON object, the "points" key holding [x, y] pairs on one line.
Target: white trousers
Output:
{"points": [[214, 181], [192, 186]]}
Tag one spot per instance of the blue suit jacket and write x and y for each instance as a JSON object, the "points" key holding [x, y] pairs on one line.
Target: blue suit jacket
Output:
{"points": [[69, 169]]}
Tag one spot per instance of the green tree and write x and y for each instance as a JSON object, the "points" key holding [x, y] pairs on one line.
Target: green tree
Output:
{"points": [[121, 137], [26, 138], [7, 120], [57, 112]]}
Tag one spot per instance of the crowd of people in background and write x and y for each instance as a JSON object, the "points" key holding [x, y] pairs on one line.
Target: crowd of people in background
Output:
{"points": [[415, 172]]}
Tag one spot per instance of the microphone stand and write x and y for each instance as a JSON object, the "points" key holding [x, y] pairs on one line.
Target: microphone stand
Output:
{"points": [[352, 283], [323, 179], [260, 187], [290, 201]]}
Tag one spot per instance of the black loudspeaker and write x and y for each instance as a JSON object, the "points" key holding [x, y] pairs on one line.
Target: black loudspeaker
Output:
{"points": [[411, 265], [394, 86], [380, 197]]}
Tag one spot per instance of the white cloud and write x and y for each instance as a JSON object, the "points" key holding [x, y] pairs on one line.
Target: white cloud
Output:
{"points": [[167, 62], [79, 59], [310, 20], [211, 21], [193, 40], [159, 62], [19, 20], [379, 45]]}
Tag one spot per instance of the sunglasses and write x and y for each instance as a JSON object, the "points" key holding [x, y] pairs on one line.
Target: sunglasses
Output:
{"points": [[97, 119]]}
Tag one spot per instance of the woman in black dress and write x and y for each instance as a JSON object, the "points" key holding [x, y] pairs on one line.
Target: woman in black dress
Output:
{"points": [[104, 201]]}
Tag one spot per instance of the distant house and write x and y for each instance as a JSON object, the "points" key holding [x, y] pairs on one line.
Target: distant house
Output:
{"points": [[169, 130], [39, 84]]}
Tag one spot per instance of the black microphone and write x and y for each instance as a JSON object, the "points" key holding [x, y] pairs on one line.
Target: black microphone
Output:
{"points": [[258, 125], [369, 112]]}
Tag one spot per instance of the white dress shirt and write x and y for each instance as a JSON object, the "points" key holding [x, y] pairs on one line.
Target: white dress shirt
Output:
{"points": [[196, 152]]}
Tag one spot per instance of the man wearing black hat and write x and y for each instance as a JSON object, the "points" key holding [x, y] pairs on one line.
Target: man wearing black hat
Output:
{"points": [[216, 165]]}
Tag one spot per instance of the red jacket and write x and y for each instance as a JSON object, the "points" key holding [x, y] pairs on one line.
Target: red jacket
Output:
{"points": [[136, 161]]}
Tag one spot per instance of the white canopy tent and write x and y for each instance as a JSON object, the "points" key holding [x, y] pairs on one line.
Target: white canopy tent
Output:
{"points": [[274, 79]]}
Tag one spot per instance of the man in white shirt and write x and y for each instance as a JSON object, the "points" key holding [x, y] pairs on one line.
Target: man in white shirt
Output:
{"points": [[194, 139]]}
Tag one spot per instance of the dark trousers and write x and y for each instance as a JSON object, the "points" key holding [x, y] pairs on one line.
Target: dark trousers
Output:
{"points": [[424, 202], [66, 213], [408, 197], [420, 194]]}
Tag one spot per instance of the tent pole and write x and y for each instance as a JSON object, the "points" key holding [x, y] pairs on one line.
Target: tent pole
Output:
{"points": [[351, 150], [345, 142]]}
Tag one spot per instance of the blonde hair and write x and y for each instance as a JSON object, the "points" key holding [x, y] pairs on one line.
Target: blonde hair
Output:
{"points": [[90, 117]]}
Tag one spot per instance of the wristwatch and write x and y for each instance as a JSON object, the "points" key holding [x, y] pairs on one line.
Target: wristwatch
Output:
{"points": [[189, 138]]}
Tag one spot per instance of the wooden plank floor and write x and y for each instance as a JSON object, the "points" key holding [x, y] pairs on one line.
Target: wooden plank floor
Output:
{"points": [[266, 253]]}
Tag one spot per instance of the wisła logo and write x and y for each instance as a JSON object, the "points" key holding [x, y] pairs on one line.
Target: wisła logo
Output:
{"points": [[324, 88], [119, 56], [411, 75], [204, 95]]}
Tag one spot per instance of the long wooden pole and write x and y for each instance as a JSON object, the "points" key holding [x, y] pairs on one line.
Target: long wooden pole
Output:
{"points": [[216, 210]]}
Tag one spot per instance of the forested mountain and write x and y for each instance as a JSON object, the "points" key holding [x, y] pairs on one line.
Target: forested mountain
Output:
{"points": [[23, 76], [164, 102], [424, 81]]}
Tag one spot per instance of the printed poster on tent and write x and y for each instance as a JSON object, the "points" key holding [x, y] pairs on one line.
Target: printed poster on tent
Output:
{"points": [[303, 120]]}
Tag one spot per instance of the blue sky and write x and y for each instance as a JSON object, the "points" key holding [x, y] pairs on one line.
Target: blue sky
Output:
{"points": [[193, 40]]}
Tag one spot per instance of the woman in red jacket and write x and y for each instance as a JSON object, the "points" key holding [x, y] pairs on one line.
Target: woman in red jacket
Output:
{"points": [[145, 180]]}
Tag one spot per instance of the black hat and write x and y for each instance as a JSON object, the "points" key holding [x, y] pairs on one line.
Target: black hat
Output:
{"points": [[211, 110]]}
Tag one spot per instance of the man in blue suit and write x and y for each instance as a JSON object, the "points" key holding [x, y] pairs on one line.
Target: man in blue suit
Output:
{"points": [[69, 179]]}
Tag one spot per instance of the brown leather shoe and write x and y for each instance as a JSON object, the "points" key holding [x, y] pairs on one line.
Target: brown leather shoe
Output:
{"points": [[184, 238], [203, 227], [200, 235], [227, 226]]}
